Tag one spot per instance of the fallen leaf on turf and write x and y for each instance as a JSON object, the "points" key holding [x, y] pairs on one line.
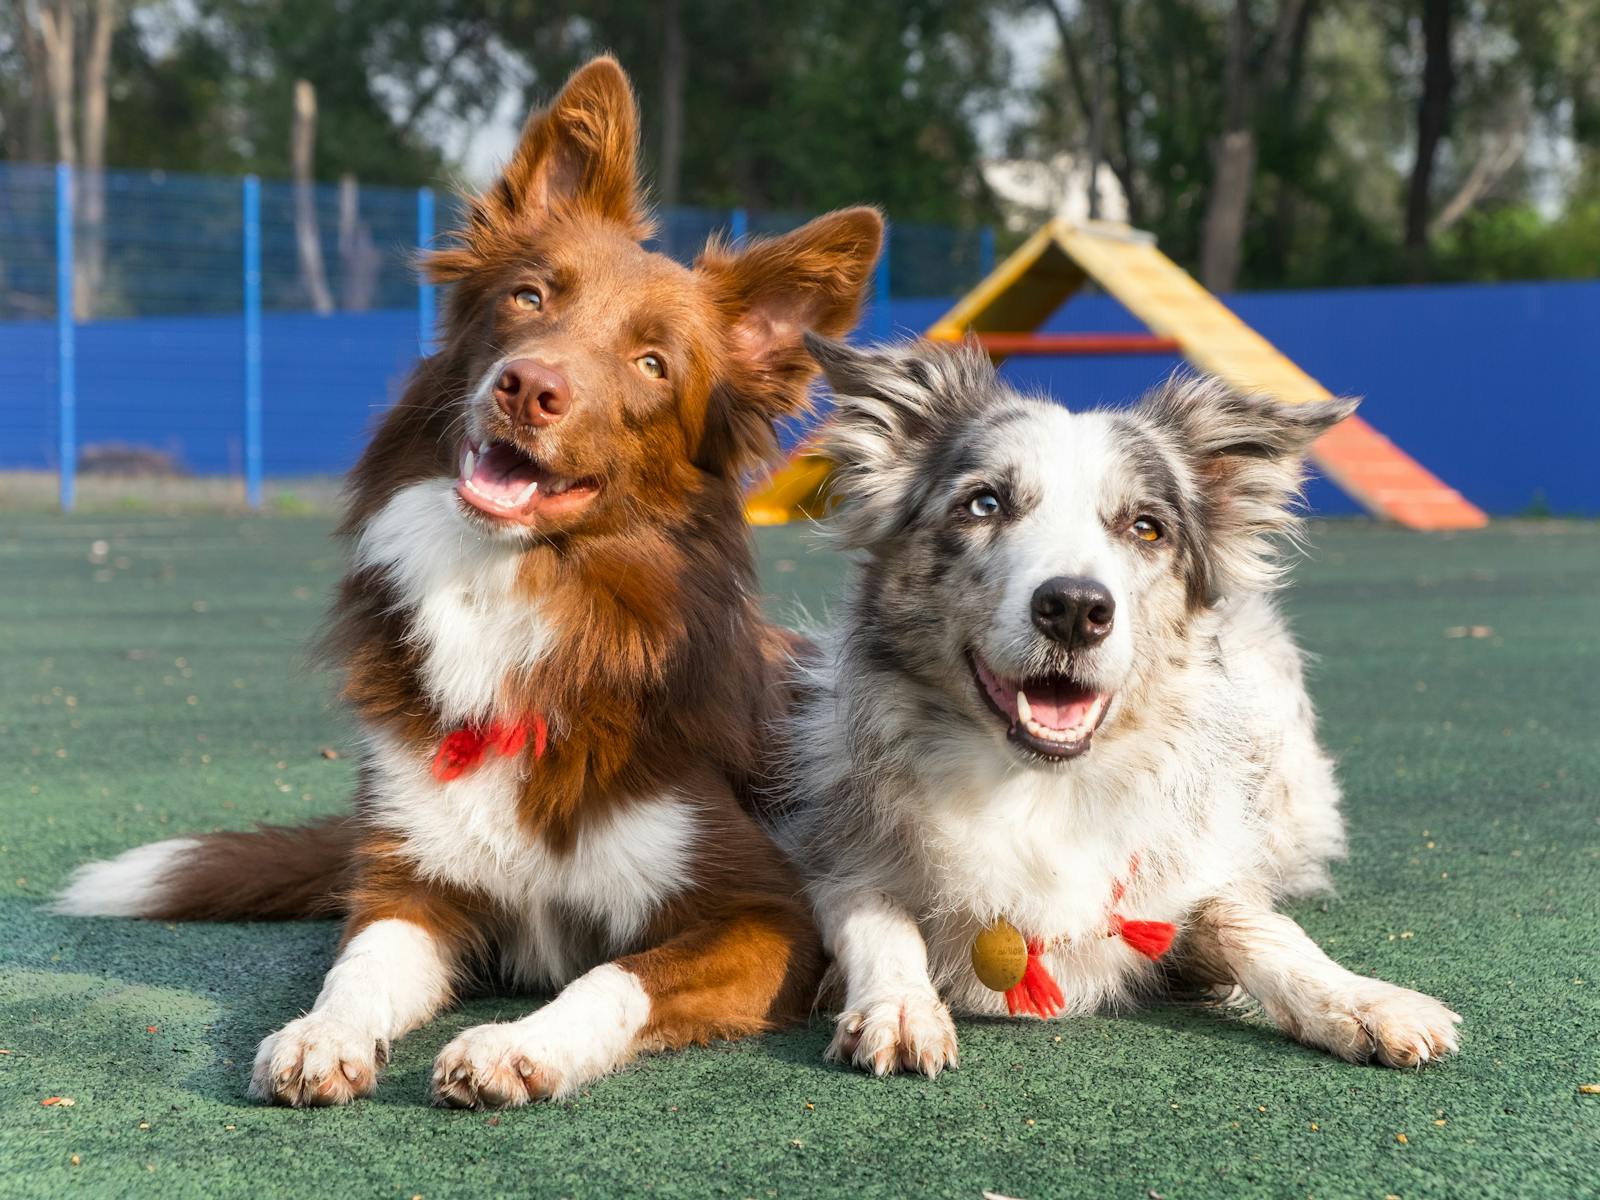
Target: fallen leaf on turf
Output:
{"points": [[329, 752], [1401, 1138], [76, 1160], [1589, 1089], [58, 1102], [988, 1195], [152, 1028]]}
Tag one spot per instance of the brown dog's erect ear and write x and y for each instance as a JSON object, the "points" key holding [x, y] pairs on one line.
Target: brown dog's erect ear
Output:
{"points": [[771, 294], [583, 149], [581, 152]]}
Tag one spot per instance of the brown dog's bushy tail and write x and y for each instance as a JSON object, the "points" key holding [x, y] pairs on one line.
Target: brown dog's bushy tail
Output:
{"points": [[273, 873]]}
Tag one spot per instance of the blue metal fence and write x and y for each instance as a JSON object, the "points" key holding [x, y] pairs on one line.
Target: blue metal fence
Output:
{"points": [[198, 336], [251, 328]]}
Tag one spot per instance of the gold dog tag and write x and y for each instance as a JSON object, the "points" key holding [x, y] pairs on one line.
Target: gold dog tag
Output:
{"points": [[999, 956]]}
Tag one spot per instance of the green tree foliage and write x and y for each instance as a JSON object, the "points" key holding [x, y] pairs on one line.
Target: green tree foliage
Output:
{"points": [[802, 104], [798, 105]]}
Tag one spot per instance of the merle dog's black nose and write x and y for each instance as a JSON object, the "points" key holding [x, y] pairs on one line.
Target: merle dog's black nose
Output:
{"points": [[1073, 611]]}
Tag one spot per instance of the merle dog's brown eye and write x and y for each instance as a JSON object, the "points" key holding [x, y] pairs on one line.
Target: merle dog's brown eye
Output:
{"points": [[1146, 529], [528, 299]]}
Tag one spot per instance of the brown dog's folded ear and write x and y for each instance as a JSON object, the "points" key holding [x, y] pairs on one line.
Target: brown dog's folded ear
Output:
{"points": [[771, 294], [580, 152]]}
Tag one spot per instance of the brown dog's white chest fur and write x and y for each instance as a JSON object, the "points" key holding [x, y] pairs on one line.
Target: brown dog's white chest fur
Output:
{"points": [[475, 626]]}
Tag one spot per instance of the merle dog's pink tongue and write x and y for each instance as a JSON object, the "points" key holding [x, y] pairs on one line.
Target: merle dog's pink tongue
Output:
{"points": [[1058, 705]]}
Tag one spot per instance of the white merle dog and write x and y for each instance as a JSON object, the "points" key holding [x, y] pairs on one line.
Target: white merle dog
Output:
{"points": [[1060, 704]]}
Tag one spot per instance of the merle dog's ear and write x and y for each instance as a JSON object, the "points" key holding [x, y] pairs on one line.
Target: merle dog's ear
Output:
{"points": [[771, 292], [891, 406], [1247, 456], [580, 152]]}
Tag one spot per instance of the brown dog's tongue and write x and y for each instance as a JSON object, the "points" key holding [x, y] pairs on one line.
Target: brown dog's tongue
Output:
{"points": [[504, 473]]}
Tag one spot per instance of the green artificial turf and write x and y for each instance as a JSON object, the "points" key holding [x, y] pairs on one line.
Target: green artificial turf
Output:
{"points": [[155, 683]]}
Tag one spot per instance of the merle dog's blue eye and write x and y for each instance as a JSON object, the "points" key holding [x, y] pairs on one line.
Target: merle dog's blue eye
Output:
{"points": [[984, 504]]}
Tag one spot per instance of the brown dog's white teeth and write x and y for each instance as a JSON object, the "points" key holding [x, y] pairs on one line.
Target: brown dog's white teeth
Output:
{"points": [[527, 492]]}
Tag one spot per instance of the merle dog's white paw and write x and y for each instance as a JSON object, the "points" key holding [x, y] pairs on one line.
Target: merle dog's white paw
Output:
{"points": [[898, 1033], [1380, 1022], [315, 1061]]}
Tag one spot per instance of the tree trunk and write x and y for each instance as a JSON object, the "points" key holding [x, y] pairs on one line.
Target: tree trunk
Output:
{"points": [[1123, 166], [1283, 221], [308, 242], [90, 269], [1234, 154], [674, 63], [57, 32], [1097, 109], [1233, 165], [359, 259], [1433, 122], [1077, 77]]}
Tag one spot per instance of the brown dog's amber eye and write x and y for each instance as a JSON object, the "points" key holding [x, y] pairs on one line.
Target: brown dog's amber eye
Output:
{"points": [[651, 366], [528, 299], [1146, 530]]}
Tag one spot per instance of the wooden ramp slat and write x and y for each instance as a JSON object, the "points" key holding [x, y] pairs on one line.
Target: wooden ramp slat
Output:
{"points": [[1024, 290]]}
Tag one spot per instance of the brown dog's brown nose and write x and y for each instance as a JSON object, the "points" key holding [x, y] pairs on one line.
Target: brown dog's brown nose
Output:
{"points": [[531, 393]]}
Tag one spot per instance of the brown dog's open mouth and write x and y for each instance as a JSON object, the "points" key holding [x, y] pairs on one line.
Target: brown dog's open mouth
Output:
{"points": [[506, 482], [1051, 715]]}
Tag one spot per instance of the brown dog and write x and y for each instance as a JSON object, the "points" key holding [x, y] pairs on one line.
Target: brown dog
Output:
{"points": [[550, 637]]}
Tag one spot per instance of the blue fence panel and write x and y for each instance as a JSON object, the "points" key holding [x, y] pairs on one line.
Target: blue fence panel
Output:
{"points": [[160, 341], [1489, 386], [341, 326], [27, 317], [683, 232], [328, 380]]}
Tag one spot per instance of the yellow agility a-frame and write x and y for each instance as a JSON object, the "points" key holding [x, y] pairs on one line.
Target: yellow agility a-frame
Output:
{"points": [[1021, 293]]}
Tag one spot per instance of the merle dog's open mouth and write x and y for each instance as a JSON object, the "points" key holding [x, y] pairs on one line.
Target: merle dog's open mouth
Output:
{"points": [[506, 482], [1052, 715]]}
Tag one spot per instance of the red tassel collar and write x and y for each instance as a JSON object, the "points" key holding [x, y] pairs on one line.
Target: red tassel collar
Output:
{"points": [[1039, 994], [462, 750]]}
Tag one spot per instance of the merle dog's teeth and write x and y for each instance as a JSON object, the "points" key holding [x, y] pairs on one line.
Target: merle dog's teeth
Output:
{"points": [[469, 463], [1024, 709]]}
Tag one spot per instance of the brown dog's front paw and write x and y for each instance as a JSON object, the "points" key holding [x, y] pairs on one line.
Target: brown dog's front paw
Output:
{"points": [[490, 1066], [907, 1033], [314, 1061]]}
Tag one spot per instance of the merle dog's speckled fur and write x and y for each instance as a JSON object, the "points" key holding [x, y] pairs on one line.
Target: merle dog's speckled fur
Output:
{"points": [[919, 811]]}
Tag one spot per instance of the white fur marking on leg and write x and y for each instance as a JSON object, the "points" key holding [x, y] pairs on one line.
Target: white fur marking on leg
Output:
{"points": [[590, 1029], [1316, 1000], [389, 979], [893, 1018], [125, 886]]}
